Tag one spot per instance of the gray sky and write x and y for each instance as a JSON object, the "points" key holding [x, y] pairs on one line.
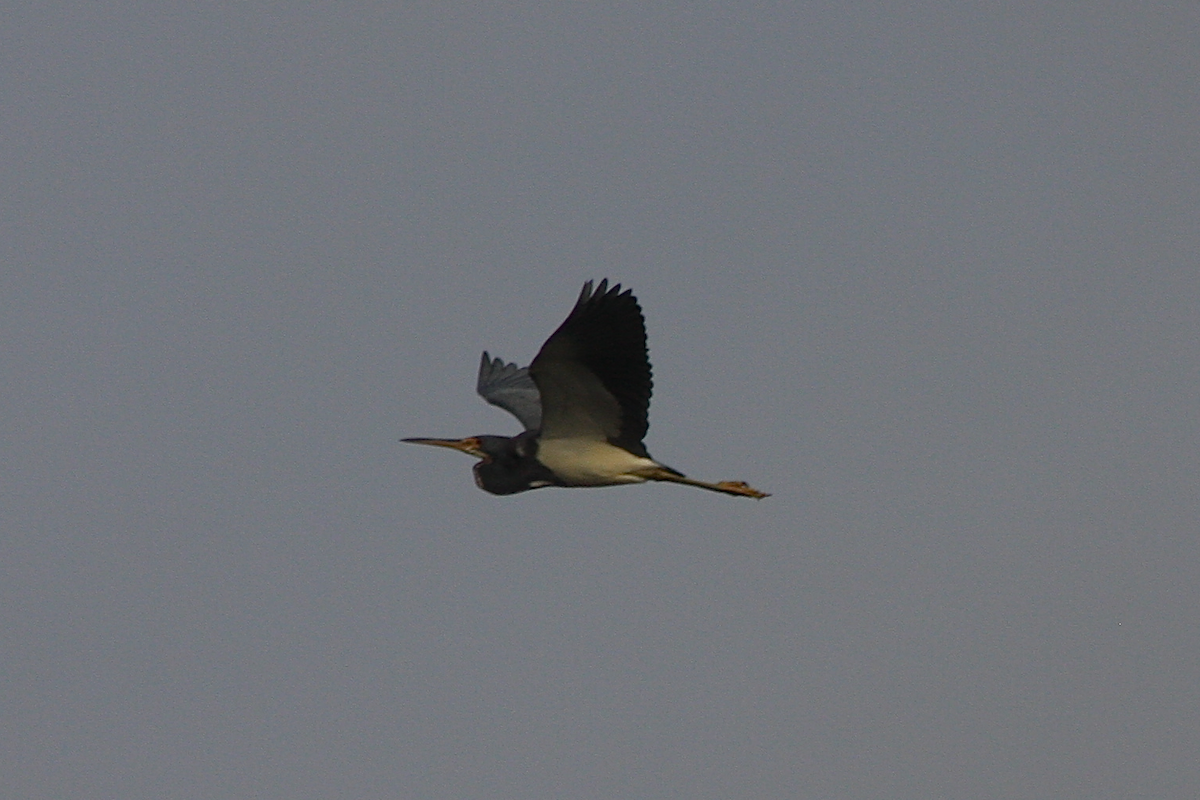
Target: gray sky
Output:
{"points": [[925, 271]]}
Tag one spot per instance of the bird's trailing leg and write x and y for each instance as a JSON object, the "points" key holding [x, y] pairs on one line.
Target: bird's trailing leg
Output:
{"points": [[737, 488]]}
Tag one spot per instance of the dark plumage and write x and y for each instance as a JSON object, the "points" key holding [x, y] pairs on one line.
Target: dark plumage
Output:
{"points": [[605, 334]]}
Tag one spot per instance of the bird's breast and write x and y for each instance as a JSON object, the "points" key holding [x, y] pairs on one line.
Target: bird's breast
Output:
{"points": [[586, 462]]}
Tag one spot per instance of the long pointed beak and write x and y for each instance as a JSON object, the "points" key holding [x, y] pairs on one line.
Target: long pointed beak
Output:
{"points": [[471, 445]]}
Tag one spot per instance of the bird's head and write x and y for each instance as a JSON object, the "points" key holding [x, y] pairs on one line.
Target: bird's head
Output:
{"points": [[506, 466]]}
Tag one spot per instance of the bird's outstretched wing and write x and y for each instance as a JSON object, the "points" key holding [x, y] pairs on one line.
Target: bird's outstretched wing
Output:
{"points": [[593, 373], [509, 387]]}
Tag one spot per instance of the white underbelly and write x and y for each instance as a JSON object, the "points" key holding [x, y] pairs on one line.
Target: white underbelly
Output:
{"points": [[581, 462]]}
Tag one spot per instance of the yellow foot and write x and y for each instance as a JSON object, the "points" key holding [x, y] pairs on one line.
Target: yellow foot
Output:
{"points": [[742, 488]]}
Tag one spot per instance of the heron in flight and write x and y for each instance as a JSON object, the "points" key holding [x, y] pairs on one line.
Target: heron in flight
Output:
{"points": [[583, 402]]}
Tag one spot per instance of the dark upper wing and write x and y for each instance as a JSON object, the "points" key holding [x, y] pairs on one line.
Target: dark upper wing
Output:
{"points": [[510, 387], [594, 372]]}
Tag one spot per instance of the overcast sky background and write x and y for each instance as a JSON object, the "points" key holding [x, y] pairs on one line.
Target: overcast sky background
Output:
{"points": [[926, 271]]}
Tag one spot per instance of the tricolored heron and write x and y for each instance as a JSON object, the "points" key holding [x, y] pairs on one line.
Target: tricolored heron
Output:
{"points": [[583, 402]]}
